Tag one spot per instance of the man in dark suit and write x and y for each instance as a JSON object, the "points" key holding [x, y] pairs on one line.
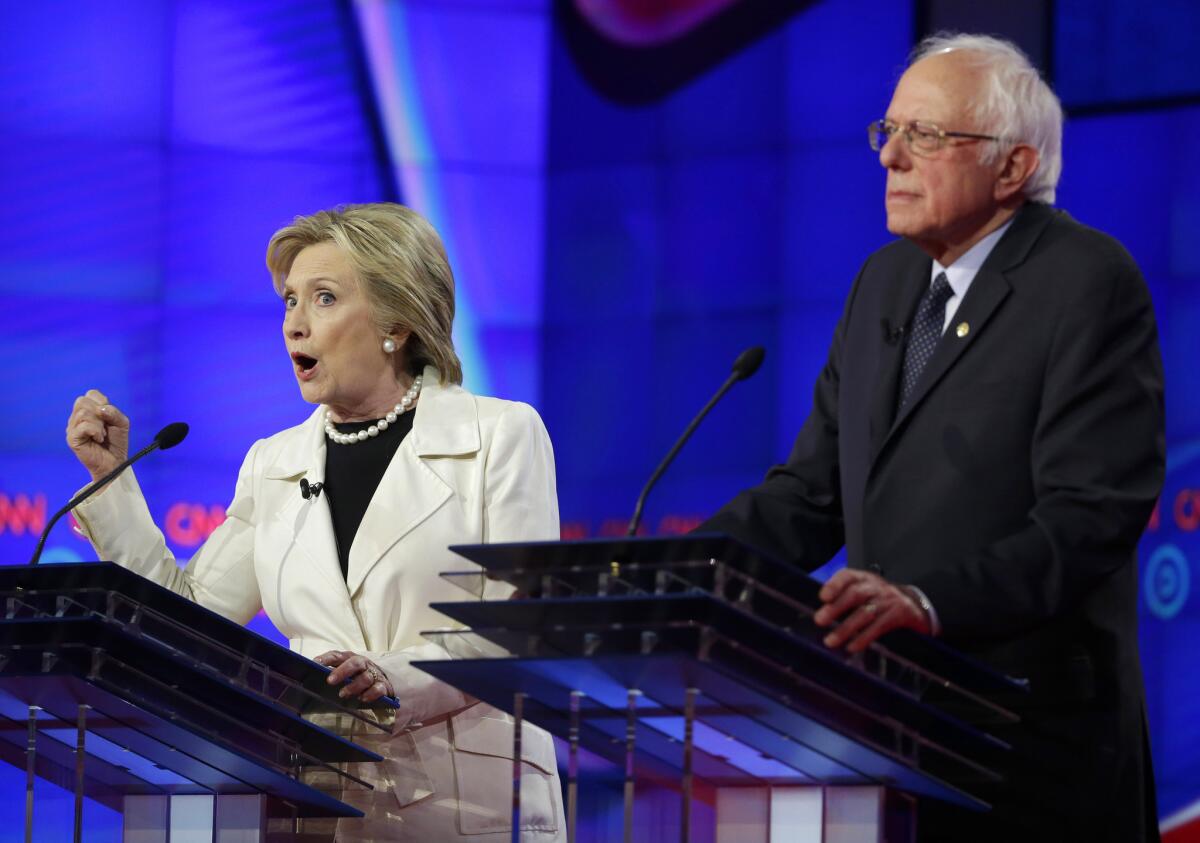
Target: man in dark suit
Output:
{"points": [[986, 440]]}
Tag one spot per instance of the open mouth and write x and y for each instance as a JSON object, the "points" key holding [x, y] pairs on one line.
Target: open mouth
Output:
{"points": [[304, 363]]}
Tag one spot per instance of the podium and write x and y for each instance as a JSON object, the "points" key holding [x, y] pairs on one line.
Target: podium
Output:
{"points": [[695, 661], [191, 726]]}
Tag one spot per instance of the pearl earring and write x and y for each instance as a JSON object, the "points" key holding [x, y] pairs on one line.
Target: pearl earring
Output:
{"points": [[389, 345]]}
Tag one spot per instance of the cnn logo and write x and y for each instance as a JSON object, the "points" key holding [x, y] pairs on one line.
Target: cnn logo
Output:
{"points": [[19, 514]]}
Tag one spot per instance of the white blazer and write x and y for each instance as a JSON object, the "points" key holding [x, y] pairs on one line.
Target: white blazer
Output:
{"points": [[472, 470]]}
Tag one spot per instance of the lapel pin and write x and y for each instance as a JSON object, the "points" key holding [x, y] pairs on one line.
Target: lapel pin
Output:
{"points": [[963, 329]]}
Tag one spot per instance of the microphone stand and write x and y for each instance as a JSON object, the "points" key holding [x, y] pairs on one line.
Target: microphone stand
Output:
{"points": [[168, 437], [746, 365]]}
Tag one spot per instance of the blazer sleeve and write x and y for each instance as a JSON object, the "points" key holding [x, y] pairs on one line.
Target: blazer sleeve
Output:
{"points": [[219, 577], [796, 512], [520, 503], [520, 492], [1097, 459]]}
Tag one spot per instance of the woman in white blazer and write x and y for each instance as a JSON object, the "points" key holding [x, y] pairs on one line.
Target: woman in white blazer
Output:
{"points": [[397, 463]]}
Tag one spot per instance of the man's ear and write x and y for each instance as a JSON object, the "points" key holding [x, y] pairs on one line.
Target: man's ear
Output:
{"points": [[1019, 166]]}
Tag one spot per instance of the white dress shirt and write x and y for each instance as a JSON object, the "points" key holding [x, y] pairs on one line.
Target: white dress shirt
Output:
{"points": [[962, 272]]}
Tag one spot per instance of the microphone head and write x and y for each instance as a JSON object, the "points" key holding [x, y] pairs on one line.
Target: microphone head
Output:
{"points": [[748, 362], [171, 435]]}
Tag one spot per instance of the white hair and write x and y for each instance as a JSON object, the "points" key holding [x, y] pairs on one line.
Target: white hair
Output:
{"points": [[1014, 103]]}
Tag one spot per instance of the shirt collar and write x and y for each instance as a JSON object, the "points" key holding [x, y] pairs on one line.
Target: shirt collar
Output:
{"points": [[962, 272]]}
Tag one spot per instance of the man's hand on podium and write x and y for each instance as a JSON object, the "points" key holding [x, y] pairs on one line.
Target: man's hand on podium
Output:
{"points": [[865, 606]]}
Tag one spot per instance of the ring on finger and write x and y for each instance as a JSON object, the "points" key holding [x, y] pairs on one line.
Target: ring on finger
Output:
{"points": [[870, 608]]}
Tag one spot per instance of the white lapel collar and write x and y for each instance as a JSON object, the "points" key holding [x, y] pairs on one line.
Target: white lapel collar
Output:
{"points": [[309, 521], [448, 422], [303, 455], [446, 425]]}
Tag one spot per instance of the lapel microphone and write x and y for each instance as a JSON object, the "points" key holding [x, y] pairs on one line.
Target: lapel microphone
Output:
{"points": [[310, 490], [891, 335], [168, 437]]}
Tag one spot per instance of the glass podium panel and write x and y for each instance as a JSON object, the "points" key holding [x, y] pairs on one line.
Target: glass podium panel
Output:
{"points": [[114, 688], [697, 657]]}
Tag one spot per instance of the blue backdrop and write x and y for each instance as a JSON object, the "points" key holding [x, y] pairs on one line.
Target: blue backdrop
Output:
{"points": [[612, 258]]}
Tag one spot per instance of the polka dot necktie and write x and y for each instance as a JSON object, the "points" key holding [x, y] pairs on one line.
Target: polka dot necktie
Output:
{"points": [[924, 334]]}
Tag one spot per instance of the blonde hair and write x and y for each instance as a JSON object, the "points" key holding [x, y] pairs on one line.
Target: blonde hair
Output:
{"points": [[400, 262]]}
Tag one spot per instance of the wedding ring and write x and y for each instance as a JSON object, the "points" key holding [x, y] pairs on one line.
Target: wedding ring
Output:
{"points": [[870, 608]]}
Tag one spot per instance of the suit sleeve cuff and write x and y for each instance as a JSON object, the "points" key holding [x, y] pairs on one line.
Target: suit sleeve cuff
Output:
{"points": [[923, 601]]}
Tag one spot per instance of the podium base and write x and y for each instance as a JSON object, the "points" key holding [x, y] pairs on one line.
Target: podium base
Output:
{"points": [[850, 814]]}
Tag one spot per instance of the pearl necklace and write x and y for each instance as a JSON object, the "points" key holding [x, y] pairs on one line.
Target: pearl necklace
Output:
{"points": [[361, 436]]}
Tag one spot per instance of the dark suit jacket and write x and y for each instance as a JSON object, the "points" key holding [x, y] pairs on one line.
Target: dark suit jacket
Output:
{"points": [[1012, 490]]}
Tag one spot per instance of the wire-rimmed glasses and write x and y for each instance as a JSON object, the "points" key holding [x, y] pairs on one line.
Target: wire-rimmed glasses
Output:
{"points": [[918, 135]]}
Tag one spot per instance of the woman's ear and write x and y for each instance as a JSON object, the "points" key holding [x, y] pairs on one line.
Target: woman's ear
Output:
{"points": [[395, 340]]}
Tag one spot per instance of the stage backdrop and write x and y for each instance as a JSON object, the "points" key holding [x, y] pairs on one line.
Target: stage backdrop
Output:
{"points": [[628, 202]]}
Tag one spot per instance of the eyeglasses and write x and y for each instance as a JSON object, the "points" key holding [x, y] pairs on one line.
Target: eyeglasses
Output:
{"points": [[918, 135]]}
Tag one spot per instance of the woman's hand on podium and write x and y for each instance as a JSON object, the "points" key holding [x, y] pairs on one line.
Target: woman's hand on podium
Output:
{"points": [[98, 433], [361, 676]]}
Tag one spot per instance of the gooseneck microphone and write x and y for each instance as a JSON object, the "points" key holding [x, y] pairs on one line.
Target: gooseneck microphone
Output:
{"points": [[747, 364], [168, 437]]}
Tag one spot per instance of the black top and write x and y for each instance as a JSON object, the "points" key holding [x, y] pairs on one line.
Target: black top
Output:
{"points": [[352, 474]]}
